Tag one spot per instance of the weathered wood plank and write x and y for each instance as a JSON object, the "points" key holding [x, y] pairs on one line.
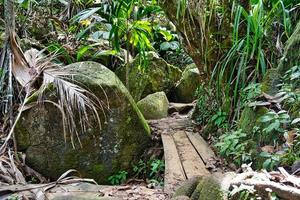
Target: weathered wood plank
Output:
{"points": [[201, 146], [191, 161], [174, 173]]}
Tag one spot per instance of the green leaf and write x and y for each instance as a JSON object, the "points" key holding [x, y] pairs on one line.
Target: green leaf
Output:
{"points": [[106, 53], [82, 51], [295, 121], [267, 164], [264, 154], [274, 126], [84, 14], [167, 35], [265, 118]]}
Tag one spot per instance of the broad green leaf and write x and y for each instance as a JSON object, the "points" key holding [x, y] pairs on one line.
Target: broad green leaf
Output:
{"points": [[82, 51], [295, 121], [265, 118], [84, 14], [105, 53], [167, 35]]}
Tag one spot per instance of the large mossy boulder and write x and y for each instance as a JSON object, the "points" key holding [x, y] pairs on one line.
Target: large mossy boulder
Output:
{"points": [[154, 106], [120, 142], [187, 86], [157, 76]]}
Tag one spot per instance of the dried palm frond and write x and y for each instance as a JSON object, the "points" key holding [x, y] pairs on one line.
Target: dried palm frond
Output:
{"points": [[73, 100], [9, 171]]}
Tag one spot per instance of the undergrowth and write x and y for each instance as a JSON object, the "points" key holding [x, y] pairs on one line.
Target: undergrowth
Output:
{"points": [[150, 171]]}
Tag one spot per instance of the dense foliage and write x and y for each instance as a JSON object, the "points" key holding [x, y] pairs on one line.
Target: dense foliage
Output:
{"points": [[247, 123]]}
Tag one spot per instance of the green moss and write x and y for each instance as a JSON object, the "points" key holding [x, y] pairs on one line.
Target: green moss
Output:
{"points": [[190, 80], [270, 82], [187, 188], [201, 188], [23, 136], [208, 189], [97, 169], [249, 118], [154, 106]]}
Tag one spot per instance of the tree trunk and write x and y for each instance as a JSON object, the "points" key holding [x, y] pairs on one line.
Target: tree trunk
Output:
{"points": [[202, 31], [9, 17]]}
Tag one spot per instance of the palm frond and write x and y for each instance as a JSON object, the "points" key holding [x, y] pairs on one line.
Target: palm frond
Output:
{"points": [[74, 101]]}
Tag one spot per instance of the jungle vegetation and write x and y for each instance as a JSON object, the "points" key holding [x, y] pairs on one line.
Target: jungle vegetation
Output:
{"points": [[238, 47]]}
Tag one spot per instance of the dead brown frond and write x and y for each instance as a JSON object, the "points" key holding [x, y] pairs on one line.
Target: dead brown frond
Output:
{"points": [[9, 171], [74, 101], [77, 105]]}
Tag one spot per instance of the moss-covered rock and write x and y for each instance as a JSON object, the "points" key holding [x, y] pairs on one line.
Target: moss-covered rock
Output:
{"points": [[208, 188], [201, 188], [271, 81], [122, 139], [190, 80], [157, 76], [290, 58], [187, 188], [154, 106], [249, 118]]}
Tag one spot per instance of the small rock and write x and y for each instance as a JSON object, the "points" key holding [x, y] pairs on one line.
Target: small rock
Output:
{"points": [[154, 106]]}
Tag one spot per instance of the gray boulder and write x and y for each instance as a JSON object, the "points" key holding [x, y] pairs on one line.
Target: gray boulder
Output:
{"points": [[121, 141]]}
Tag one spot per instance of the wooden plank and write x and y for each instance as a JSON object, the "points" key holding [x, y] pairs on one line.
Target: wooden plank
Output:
{"points": [[191, 161], [202, 147], [174, 173]]}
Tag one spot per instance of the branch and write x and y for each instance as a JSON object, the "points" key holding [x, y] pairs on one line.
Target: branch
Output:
{"points": [[283, 191]]}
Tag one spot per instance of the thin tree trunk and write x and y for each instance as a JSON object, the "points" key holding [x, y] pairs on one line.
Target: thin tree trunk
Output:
{"points": [[9, 15]]}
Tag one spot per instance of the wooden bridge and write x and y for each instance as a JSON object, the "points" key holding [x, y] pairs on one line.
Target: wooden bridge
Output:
{"points": [[186, 153]]}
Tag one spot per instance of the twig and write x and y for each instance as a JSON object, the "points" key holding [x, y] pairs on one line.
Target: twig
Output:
{"points": [[288, 178], [283, 191]]}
